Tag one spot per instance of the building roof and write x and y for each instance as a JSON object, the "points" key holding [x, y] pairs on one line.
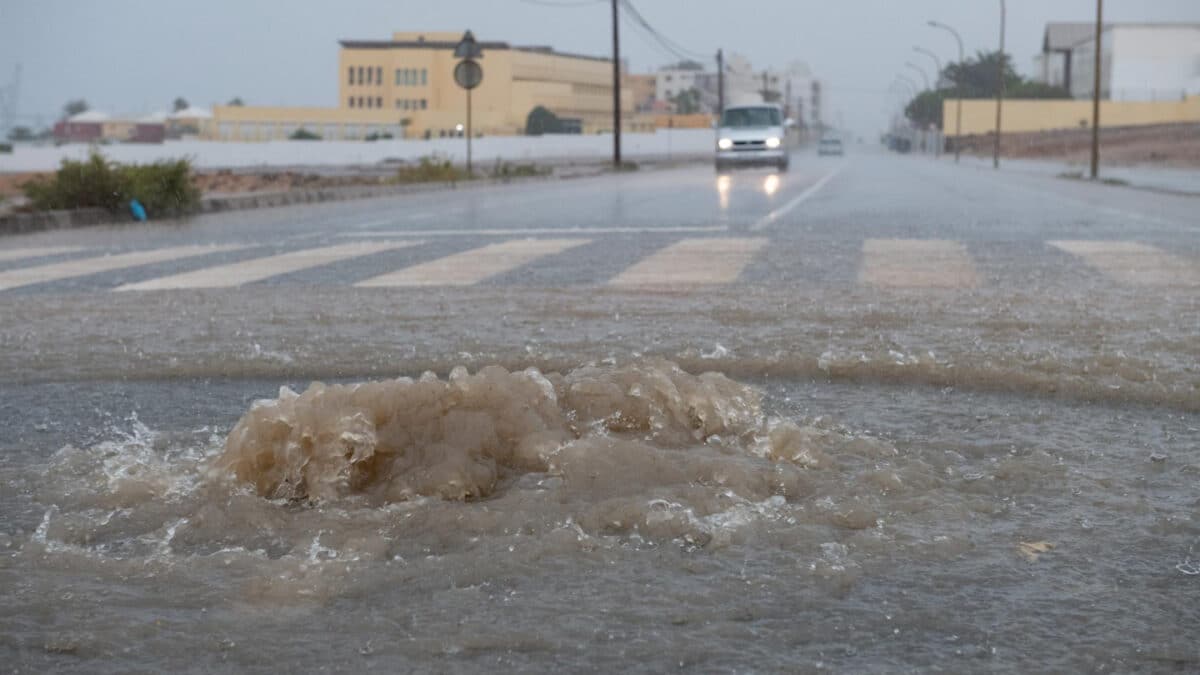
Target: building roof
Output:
{"points": [[191, 114], [1064, 35], [89, 116], [449, 46]]}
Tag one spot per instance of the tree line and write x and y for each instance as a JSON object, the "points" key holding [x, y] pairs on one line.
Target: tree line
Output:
{"points": [[977, 77]]}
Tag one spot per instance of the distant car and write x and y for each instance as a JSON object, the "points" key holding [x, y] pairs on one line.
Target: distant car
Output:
{"points": [[830, 145], [751, 134]]}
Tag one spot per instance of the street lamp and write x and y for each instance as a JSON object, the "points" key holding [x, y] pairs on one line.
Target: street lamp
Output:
{"points": [[936, 62], [917, 68], [957, 94], [916, 89]]}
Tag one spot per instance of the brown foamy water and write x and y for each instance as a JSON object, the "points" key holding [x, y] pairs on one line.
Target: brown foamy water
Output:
{"points": [[608, 516]]}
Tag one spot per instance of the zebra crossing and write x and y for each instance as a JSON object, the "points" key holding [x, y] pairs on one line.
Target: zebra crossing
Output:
{"points": [[704, 259]]}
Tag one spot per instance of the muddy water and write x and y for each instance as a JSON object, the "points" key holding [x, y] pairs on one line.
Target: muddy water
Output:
{"points": [[627, 515], [1002, 479]]}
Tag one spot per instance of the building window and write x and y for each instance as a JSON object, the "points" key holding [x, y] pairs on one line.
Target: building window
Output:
{"points": [[423, 106], [350, 102], [360, 74], [351, 69], [397, 104], [398, 76], [424, 78], [378, 101], [378, 74]]}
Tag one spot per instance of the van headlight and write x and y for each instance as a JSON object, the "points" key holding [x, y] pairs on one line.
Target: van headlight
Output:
{"points": [[773, 142], [725, 143]]}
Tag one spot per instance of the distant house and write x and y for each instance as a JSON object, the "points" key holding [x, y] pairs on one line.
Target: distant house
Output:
{"points": [[191, 121], [85, 127], [94, 126]]}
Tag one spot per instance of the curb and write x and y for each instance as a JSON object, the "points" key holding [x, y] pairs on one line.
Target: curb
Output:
{"points": [[22, 223]]}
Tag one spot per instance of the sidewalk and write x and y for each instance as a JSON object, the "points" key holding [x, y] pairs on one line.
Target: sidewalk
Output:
{"points": [[1142, 177]]}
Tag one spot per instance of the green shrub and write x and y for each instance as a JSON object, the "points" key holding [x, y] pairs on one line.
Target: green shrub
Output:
{"points": [[164, 187], [303, 134], [5, 148], [431, 170]]}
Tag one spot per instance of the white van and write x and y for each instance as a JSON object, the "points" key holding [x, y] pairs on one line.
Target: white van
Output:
{"points": [[751, 134]]}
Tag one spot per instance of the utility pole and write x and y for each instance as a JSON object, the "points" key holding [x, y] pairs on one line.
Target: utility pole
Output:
{"points": [[720, 82], [999, 89], [1096, 93], [616, 31]]}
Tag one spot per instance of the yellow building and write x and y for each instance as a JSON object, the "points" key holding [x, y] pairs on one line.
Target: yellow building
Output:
{"points": [[405, 87]]}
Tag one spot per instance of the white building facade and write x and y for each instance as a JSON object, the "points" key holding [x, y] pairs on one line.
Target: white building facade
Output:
{"points": [[1139, 62]]}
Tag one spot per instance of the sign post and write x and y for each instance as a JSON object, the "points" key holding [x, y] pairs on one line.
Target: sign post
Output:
{"points": [[468, 74]]}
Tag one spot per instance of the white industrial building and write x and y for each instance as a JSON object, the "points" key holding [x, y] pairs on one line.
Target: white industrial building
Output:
{"points": [[1138, 61]]}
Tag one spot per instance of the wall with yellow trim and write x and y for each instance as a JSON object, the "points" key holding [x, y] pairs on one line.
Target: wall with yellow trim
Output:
{"points": [[1021, 115]]}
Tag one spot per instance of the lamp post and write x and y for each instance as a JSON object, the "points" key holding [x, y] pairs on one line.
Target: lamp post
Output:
{"points": [[468, 74], [958, 94], [915, 90], [936, 62], [921, 72]]}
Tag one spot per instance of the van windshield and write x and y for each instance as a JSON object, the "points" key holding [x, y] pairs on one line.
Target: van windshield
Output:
{"points": [[751, 117]]}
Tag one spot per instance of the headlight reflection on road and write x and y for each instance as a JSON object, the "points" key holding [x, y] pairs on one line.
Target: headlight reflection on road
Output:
{"points": [[723, 191], [771, 184]]}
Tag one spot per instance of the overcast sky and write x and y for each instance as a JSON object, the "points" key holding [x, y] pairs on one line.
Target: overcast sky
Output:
{"points": [[136, 56]]}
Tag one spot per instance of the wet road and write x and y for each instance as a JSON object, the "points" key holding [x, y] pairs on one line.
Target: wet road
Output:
{"points": [[967, 439]]}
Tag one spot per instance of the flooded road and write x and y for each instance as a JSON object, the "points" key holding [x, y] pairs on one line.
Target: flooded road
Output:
{"points": [[898, 433]]}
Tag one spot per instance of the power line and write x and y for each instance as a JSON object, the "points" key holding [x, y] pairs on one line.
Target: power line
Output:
{"points": [[674, 47], [655, 45]]}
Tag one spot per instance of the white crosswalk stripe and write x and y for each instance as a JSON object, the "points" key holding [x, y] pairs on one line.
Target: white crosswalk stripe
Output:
{"points": [[108, 263], [257, 269], [36, 252], [1130, 262], [475, 265], [916, 263], [692, 262]]}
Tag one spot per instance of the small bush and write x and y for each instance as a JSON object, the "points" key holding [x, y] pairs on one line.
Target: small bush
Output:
{"points": [[164, 188], [431, 170], [5, 148], [303, 134], [378, 137]]}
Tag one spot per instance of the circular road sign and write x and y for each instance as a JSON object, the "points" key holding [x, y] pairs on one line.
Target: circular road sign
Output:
{"points": [[468, 74]]}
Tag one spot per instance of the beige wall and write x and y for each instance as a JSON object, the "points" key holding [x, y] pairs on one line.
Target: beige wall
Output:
{"points": [[979, 115]]}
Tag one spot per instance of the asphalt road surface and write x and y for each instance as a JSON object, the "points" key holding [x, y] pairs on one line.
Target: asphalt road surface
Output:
{"points": [[956, 428]]}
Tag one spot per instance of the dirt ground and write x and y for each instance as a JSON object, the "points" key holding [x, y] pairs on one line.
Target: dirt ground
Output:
{"points": [[1167, 145], [225, 181]]}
